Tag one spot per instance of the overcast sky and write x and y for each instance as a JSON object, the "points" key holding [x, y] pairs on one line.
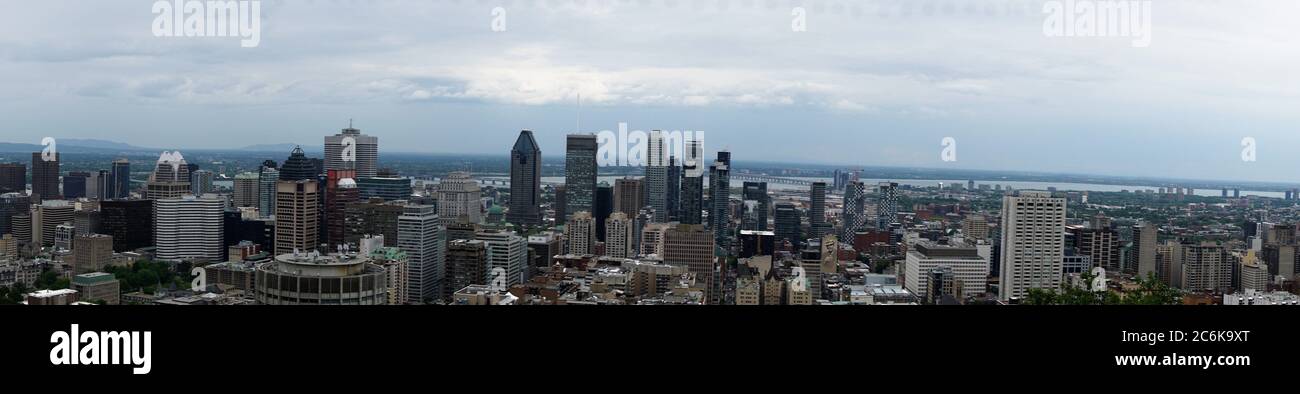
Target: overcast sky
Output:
{"points": [[868, 83]]}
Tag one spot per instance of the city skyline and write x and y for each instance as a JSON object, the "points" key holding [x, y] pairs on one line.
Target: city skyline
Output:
{"points": [[1010, 96]]}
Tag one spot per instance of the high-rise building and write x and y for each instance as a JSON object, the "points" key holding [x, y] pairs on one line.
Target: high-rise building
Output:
{"points": [[466, 263], [580, 231], [855, 215], [97, 184], [817, 210], [604, 207], [315, 279], [787, 224], [1254, 274], [629, 195], [387, 185], [12, 204], [170, 178], [656, 176], [364, 152], [886, 204], [298, 167], [45, 176], [201, 182], [963, 262], [129, 222], [74, 184], [720, 196], [297, 219], [340, 191], [691, 246], [1033, 243], [459, 199], [618, 238], [580, 173], [13, 178], [119, 185], [692, 195], [421, 236], [974, 228], [526, 182], [372, 217], [246, 186], [757, 193], [1207, 267], [190, 228], [507, 256], [47, 217], [652, 238], [266, 193], [1100, 244], [1144, 239]]}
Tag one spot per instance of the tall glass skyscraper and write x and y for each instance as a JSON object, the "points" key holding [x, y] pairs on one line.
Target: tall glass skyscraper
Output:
{"points": [[580, 173], [525, 181], [120, 184], [720, 193], [692, 184]]}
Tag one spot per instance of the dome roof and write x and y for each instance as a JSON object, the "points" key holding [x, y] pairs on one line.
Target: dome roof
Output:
{"points": [[347, 183]]}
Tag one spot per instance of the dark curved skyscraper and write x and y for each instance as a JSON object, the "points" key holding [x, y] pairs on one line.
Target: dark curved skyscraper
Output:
{"points": [[298, 167], [526, 182]]}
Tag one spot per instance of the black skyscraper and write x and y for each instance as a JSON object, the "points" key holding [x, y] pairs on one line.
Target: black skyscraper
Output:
{"points": [[604, 207], [130, 222], [298, 167], [817, 210], [757, 191], [12, 204], [74, 184], [525, 182], [787, 224], [45, 177], [13, 178], [674, 189], [119, 185], [692, 196], [720, 197], [580, 174]]}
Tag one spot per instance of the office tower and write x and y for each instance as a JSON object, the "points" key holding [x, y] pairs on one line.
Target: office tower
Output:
{"points": [[604, 207], [757, 192], [1206, 267], [372, 217], [656, 177], [886, 204], [333, 279], [580, 174], [170, 178], [543, 248], [20, 225], [756, 243], [1236, 193], [720, 195], [1033, 224], [855, 215], [266, 194], [201, 182], [47, 217], [1144, 239], [1100, 244], [975, 228], [421, 236], [246, 188], [119, 184], [396, 265], [1254, 275], [189, 228], [787, 224], [74, 184], [507, 256], [129, 222], [580, 231], [466, 264], [13, 178], [692, 195], [459, 199], [253, 228], [297, 219], [298, 167], [63, 236], [652, 238], [618, 239], [45, 177], [92, 252], [526, 182], [340, 191], [12, 204], [963, 262], [629, 195], [691, 246], [387, 185], [817, 210], [1225, 193], [97, 184], [365, 152]]}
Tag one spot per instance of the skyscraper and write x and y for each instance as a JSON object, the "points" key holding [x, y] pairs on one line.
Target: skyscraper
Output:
{"points": [[720, 195], [629, 195], [507, 256], [526, 182], [13, 178], [656, 176], [201, 182], [297, 219], [580, 231], [420, 235], [604, 207], [189, 228], [12, 204], [45, 177], [245, 189], [74, 184], [120, 180], [1033, 243], [170, 178], [756, 192], [691, 246], [886, 204], [130, 222], [580, 173], [855, 216], [692, 195], [266, 194], [340, 190], [459, 199], [466, 264], [365, 152], [817, 210], [787, 224], [1144, 238], [298, 167], [618, 237], [1206, 267]]}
